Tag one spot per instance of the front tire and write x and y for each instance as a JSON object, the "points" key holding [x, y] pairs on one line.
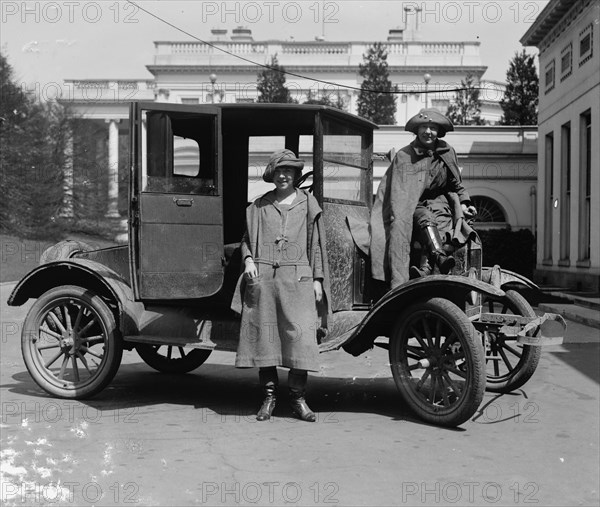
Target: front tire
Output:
{"points": [[70, 343], [437, 362]]}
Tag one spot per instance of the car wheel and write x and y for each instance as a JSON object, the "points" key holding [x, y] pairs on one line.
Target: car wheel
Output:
{"points": [[437, 362], [70, 343], [171, 358], [508, 364]]}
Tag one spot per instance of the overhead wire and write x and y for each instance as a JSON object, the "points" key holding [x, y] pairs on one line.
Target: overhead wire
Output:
{"points": [[289, 73]]}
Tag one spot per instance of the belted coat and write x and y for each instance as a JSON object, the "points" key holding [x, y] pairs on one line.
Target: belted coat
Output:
{"points": [[280, 317]]}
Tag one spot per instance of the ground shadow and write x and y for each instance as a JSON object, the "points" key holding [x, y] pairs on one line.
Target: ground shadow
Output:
{"points": [[225, 391]]}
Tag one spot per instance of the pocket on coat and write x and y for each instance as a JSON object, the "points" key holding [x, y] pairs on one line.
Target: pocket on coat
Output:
{"points": [[304, 274], [252, 291]]}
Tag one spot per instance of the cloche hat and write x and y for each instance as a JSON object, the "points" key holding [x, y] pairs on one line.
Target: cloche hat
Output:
{"points": [[282, 158]]}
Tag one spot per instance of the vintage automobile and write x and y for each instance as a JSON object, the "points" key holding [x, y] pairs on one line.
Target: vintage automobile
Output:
{"points": [[167, 293]]}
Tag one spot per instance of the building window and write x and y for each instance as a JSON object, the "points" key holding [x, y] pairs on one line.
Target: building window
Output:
{"points": [[489, 213], [190, 100], [566, 61], [548, 197], [585, 184], [586, 41], [549, 81], [565, 193]]}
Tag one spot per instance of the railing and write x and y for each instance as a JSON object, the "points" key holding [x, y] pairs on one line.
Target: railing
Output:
{"points": [[193, 48], [315, 48], [318, 48]]}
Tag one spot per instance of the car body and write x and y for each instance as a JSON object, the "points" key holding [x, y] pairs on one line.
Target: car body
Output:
{"points": [[168, 292]]}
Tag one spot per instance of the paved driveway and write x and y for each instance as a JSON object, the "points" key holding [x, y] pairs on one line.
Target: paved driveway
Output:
{"points": [[156, 439]]}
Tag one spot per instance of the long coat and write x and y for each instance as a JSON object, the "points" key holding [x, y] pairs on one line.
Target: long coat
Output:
{"points": [[403, 188], [279, 313]]}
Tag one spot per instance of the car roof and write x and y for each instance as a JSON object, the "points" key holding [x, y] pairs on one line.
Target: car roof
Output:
{"points": [[251, 109]]}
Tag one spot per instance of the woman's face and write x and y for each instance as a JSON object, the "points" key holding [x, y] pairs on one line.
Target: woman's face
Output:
{"points": [[283, 177], [428, 134]]}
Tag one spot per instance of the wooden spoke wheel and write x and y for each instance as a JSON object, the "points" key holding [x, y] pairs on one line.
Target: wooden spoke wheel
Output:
{"points": [[70, 343], [437, 362], [171, 358], [508, 364]]}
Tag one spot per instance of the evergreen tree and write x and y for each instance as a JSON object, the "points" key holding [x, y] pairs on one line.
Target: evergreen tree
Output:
{"points": [[326, 99], [520, 101], [373, 103], [32, 159], [271, 84], [466, 108]]}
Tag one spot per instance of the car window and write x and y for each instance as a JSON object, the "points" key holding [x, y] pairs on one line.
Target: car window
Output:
{"points": [[178, 153], [345, 162]]}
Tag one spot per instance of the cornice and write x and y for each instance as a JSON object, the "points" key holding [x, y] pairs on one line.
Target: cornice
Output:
{"points": [[338, 69], [553, 21]]}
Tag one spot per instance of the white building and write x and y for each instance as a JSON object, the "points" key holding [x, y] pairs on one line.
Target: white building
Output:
{"points": [[567, 35], [499, 163]]}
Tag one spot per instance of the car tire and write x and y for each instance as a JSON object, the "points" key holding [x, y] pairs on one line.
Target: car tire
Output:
{"points": [[70, 343]]}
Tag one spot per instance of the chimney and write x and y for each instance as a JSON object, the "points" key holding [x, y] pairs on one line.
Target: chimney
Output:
{"points": [[241, 34], [218, 34], [396, 35]]}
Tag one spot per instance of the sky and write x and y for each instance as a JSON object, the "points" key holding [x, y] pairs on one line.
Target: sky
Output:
{"points": [[49, 41]]}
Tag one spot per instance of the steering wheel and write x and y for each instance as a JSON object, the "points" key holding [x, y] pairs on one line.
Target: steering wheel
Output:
{"points": [[302, 179]]}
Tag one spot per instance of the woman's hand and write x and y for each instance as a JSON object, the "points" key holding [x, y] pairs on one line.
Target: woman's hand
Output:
{"points": [[318, 288], [250, 268], [469, 211]]}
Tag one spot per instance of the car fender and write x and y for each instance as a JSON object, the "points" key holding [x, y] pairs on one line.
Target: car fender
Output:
{"points": [[382, 316], [87, 274], [503, 278]]}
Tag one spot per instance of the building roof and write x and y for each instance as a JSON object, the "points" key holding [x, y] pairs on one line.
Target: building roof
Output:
{"points": [[546, 21]]}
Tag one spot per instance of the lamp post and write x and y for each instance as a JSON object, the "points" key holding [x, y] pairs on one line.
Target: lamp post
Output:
{"points": [[427, 78], [213, 80]]}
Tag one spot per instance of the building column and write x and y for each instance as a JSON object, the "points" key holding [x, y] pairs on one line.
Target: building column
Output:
{"points": [[113, 169], [68, 176]]}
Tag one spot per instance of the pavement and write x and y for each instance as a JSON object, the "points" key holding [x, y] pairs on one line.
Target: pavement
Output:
{"points": [[157, 439], [579, 307]]}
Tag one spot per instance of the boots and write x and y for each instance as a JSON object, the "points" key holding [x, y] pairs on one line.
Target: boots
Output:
{"points": [[297, 385], [268, 379], [423, 269], [440, 258]]}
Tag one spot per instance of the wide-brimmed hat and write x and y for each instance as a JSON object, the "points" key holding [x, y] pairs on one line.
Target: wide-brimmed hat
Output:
{"points": [[282, 158], [428, 117]]}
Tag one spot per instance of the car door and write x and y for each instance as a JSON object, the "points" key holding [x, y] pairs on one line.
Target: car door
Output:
{"points": [[344, 182], [176, 213]]}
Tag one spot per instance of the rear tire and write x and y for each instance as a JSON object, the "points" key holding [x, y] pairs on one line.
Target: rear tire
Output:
{"points": [[164, 361], [502, 375]]}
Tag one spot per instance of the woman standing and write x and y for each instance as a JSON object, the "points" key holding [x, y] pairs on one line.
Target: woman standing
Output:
{"points": [[285, 262]]}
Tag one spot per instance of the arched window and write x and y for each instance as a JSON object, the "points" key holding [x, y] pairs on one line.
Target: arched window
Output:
{"points": [[489, 213]]}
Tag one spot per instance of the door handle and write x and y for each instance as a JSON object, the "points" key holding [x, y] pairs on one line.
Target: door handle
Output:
{"points": [[183, 202]]}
